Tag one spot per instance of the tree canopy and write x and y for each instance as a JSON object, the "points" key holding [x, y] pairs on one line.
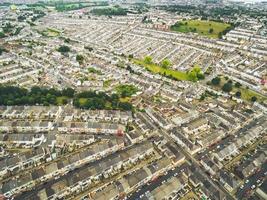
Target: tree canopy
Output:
{"points": [[165, 63], [148, 59], [79, 58], [116, 10], [195, 74], [64, 49], [126, 90], [253, 99], [216, 81], [227, 87]]}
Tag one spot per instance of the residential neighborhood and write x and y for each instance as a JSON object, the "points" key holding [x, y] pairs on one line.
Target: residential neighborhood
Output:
{"points": [[133, 100]]}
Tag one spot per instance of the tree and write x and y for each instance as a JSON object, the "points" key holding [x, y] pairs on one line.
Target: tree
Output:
{"points": [[227, 87], [2, 35], [192, 76], [64, 101], [79, 58], [216, 81], [63, 49], [148, 59], [67, 40], [195, 74], [200, 76], [238, 85], [125, 106], [89, 48], [165, 63], [68, 92], [202, 97], [253, 99], [211, 30], [129, 69], [238, 94]]}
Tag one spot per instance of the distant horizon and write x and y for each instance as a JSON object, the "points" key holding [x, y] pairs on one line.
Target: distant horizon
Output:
{"points": [[249, 0]]}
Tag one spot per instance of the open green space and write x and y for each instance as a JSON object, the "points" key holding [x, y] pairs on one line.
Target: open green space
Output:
{"points": [[109, 11], [240, 91], [160, 70], [247, 94], [50, 32], [12, 95], [62, 100], [94, 71], [193, 75], [126, 90], [207, 28]]}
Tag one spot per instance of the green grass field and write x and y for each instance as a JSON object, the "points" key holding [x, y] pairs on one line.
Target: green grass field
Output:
{"points": [[50, 32], [202, 27], [82, 101], [183, 76], [60, 100], [246, 93]]}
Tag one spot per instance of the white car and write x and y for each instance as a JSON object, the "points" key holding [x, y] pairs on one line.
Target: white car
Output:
{"points": [[253, 187]]}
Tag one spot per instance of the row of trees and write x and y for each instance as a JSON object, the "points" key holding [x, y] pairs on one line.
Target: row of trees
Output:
{"points": [[11, 95], [69, 6], [109, 11]]}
